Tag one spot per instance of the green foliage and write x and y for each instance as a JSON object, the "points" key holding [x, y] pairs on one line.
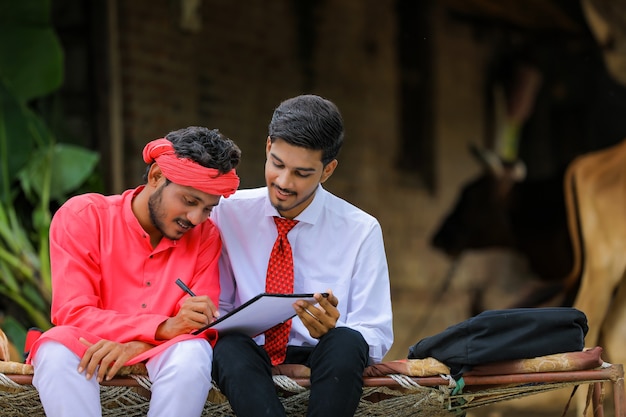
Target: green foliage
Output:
{"points": [[30, 52], [36, 170]]}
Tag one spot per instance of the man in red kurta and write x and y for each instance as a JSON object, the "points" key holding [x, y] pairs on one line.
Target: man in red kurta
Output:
{"points": [[115, 260]]}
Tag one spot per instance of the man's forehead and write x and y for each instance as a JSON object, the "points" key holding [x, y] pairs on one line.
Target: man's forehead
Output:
{"points": [[296, 157], [198, 195]]}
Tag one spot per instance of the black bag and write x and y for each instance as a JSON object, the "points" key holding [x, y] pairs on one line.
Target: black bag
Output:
{"points": [[501, 335]]}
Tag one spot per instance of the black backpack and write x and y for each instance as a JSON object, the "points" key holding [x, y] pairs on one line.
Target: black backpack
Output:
{"points": [[501, 335]]}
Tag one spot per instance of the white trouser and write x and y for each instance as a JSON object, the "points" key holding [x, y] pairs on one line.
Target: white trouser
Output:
{"points": [[180, 376]]}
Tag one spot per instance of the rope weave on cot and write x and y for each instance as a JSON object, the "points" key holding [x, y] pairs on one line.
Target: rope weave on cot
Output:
{"points": [[143, 381], [18, 400], [410, 399], [287, 384]]}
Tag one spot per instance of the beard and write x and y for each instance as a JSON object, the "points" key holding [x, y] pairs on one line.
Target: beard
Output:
{"points": [[158, 213], [283, 206]]}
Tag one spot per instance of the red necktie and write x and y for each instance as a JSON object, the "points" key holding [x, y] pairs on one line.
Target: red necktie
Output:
{"points": [[279, 280]]}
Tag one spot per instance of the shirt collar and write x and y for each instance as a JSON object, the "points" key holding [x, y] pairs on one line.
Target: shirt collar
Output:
{"points": [[309, 214], [127, 209]]}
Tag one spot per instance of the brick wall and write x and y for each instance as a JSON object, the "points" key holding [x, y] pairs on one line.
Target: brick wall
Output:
{"points": [[247, 57]]}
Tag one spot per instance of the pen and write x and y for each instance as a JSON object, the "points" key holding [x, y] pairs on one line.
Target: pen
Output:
{"points": [[185, 288]]}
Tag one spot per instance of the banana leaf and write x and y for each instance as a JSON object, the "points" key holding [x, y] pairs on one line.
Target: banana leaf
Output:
{"points": [[31, 57]]}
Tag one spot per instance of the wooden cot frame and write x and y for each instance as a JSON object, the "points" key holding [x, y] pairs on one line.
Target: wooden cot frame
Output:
{"points": [[518, 384]]}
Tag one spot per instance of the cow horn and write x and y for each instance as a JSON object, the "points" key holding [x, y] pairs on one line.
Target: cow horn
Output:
{"points": [[606, 21], [519, 107], [489, 159]]}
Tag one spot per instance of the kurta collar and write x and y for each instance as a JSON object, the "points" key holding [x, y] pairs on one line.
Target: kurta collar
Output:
{"points": [[133, 223]]}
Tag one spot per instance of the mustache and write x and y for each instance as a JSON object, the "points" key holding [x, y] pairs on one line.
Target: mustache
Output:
{"points": [[186, 223], [283, 190]]}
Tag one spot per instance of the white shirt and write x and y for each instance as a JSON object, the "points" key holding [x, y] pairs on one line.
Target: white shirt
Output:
{"points": [[335, 246]]}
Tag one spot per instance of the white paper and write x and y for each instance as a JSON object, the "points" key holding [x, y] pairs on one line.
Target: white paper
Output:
{"points": [[259, 314]]}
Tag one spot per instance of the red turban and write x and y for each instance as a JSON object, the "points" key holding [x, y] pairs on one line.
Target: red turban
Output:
{"points": [[186, 172]]}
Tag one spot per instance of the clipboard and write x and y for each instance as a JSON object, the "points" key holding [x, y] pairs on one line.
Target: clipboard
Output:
{"points": [[258, 314]]}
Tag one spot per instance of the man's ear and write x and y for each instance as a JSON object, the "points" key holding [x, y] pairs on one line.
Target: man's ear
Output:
{"points": [[268, 146], [328, 170], [155, 175]]}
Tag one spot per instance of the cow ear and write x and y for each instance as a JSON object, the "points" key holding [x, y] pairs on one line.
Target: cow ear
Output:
{"points": [[488, 159]]}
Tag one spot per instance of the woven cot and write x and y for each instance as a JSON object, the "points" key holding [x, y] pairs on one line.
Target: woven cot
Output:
{"points": [[400, 388]]}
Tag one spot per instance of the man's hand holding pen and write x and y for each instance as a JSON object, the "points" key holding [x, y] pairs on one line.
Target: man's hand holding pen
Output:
{"points": [[196, 312], [320, 318]]}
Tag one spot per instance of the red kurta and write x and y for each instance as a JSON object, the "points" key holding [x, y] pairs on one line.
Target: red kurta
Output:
{"points": [[109, 283]]}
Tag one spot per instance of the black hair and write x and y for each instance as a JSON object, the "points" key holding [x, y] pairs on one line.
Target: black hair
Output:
{"points": [[311, 122], [207, 147]]}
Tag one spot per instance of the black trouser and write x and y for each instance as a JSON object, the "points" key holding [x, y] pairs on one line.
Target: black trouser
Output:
{"points": [[243, 373]]}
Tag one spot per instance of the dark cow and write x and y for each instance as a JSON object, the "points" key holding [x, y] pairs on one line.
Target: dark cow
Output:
{"points": [[502, 209], [594, 207]]}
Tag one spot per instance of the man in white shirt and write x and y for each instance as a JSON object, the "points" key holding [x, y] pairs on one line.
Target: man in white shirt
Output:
{"points": [[337, 248]]}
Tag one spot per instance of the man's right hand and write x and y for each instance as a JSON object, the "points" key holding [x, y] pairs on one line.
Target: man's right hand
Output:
{"points": [[107, 357], [195, 313], [318, 320]]}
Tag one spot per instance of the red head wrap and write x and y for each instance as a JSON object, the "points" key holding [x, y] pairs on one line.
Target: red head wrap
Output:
{"points": [[186, 172]]}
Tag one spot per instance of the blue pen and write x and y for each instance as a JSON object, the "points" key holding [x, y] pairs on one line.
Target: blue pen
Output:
{"points": [[185, 288]]}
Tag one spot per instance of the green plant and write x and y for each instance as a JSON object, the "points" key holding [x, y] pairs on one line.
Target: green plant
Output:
{"points": [[36, 171]]}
